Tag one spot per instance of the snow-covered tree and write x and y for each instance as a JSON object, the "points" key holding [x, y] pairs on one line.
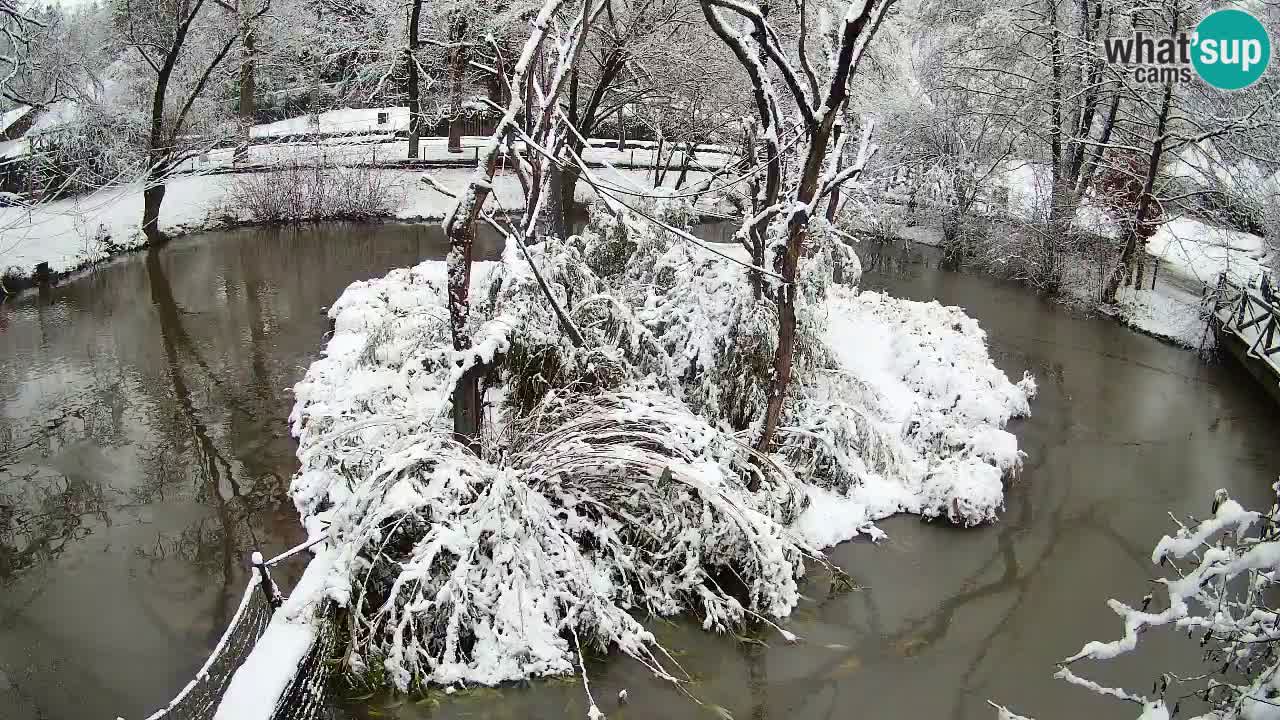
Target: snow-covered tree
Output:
{"points": [[183, 44], [793, 193], [1218, 588]]}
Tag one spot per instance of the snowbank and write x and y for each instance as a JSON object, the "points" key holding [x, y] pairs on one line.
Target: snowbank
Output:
{"points": [[1198, 253], [938, 392]]}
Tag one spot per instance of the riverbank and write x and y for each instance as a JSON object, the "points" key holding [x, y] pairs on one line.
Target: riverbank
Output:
{"points": [[1185, 257], [77, 233]]}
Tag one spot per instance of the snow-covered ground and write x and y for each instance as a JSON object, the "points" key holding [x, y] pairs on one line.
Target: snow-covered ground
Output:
{"points": [[1198, 253], [74, 232], [1186, 256], [1189, 257]]}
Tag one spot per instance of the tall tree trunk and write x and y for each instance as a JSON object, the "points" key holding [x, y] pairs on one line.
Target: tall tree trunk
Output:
{"points": [[834, 204], [685, 163], [552, 220], [1095, 160], [248, 108], [157, 161], [1134, 231], [457, 73], [415, 102], [1046, 270]]}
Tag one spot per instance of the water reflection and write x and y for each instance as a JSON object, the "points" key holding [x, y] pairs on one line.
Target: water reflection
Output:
{"points": [[144, 452]]}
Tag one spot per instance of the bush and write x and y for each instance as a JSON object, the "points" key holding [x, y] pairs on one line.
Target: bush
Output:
{"points": [[300, 192]]}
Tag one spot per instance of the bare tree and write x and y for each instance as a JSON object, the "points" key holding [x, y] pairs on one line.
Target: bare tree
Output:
{"points": [[818, 105], [460, 225], [163, 33]]}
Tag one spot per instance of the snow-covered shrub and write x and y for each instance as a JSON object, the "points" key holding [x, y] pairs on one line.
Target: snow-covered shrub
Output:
{"points": [[1218, 589], [620, 481], [96, 147], [915, 402], [462, 569], [302, 192], [872, 218], [540, 359]]}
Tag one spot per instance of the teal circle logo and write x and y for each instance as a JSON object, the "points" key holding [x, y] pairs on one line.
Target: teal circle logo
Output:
{"points": [[1231, 49]]}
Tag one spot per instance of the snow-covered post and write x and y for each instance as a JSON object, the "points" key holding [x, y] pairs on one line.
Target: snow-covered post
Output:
{"points": [[269, 588]]}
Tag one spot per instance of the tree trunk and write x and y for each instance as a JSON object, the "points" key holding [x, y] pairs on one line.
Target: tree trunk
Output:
{"points": [[457, 73], [247, 106], [797, 233], [1045, 272], [415, 102], [1095, 160], [466, 395], [568, 193], [552, 218], [152, 196], [1134, 230], [952, 250], [657, 161], [834, 203], [684, 165]]}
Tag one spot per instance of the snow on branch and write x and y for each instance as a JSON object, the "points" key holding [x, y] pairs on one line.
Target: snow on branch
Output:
{"points": [[1221, 602]]}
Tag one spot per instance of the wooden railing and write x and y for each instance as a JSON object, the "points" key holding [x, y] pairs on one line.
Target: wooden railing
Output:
{"points": [[1253, 316]]}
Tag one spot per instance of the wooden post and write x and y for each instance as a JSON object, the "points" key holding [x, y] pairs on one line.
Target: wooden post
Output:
{"points": [[268, 585]]}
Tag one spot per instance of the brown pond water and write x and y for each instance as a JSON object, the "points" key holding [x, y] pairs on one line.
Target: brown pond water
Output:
{"points": [[144, 451]]}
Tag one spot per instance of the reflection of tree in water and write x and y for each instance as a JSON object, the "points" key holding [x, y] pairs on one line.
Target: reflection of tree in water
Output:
{"points": [[213, 543], [42, 511], [41, 515], [891, 257]]}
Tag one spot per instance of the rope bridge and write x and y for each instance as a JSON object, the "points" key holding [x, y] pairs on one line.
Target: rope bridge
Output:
{"points": [[270, 663]]}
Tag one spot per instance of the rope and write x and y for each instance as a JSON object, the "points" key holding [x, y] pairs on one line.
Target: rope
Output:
{"points": [[198, 700], [297, 549], [203, 672]]}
